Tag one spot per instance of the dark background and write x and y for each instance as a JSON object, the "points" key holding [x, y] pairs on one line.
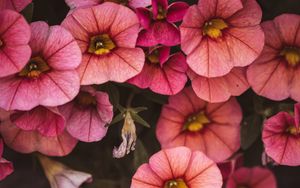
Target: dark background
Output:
{"points": [[96, 158]]}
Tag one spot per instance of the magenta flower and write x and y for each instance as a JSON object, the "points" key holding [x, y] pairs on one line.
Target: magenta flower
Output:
{"points": [[6, 167], [278, 65], [162, 73], [281, 137], [229, 166], [30, 140], [17, 5], [73, 4], [178, 167], [220, 89], [107, 36], [14, 37], [88, 114], [256, 177], [158, 23], [49, 78], [189, 121], [218, 35]]}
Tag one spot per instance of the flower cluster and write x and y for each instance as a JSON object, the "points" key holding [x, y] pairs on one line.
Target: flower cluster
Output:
{"points": [[201, 56]]}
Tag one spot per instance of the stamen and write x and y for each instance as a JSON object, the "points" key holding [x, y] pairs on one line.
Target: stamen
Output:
{"points": [[85, 99], [197, 122], [214, 27], [34, 68], [161, 13], [293, 130], [101, 45], [153, 57], [291, 55], [178, 183]]}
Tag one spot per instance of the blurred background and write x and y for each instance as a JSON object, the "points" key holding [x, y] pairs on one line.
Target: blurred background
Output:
{"points": [[96, 158]]}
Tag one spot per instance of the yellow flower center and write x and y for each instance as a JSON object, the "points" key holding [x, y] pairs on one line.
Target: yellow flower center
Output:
{"points": [[153, 57], [101, 45], [214, 27], [178, 183], [197, 122], [34, 68], [161, 13], [293, 130], [291, 55], [86, 99]]}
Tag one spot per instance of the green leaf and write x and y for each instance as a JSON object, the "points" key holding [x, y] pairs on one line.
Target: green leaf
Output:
{"points": [[117, 119], [140, 155], [159, 99], [139, 120], [28, 12], [250, 130], [138, 109]]}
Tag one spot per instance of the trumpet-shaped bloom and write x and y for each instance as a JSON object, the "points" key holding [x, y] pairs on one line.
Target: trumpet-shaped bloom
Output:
{"points": [[61, 176], [162, 73], [276, 73], [17, 5], [49, 78], [211, 128], [73, 4], [220, 89], [27, 141], [281, 137], [178, 167], [158, 23], [6, 167], [14, 37], [88, 114], [107, 36], [256, 177], [218, 35]]}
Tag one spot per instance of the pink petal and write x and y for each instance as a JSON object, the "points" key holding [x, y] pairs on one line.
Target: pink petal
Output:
{"points": [[39, 33], [48, 121], [295, 86], [176, 11], [250, 15], [146, 38], [145, 177], [296, 115], [79, 3], [14, 4], [30, 141], [139, 3], [61, 50], [164, 54], [1, 147], [144, 16], [145, 77], [171, 36], [6, 168], [288, 26], [273, 39]]}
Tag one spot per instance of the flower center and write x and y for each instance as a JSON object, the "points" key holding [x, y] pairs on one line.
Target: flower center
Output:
{"points": [[196, 123], [34, 68], [153, 57], [178, 183], [101, 44], [85, 99], [291, 55], [293, 130], [214, 27], [161, 13]]}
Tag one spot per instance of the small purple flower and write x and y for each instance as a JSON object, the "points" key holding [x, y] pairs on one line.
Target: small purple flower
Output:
{"points": [[158, 23]]}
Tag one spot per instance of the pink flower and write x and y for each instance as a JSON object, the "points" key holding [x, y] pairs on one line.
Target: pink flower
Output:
{"points": [[281, 137], [162, 73], [220, 89], [275, 74], [6, 167], [17, 5], [228, 167], [27, 141], [178, 167], [107, 36], [159, 27], [49, 78], [218, 35], [189, 121], [88, 114], [73, 4], [14, 37], [255, 177]]}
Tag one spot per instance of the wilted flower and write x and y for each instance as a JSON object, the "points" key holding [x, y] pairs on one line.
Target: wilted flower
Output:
{"points": [[158, 23], [107, 36], [218, 35], [128, 137], [213, 128], [178, 168], [6, 167], [220, 89], [49, 78], [256, 177], [281, 137], [60, 176], [17, 5], [162, 73], [88, 114], [14, 37], [275, 74]]}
